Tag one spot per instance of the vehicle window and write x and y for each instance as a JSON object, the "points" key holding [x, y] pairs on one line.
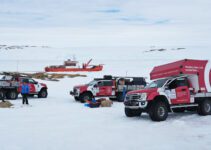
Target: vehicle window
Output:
{"points": [[100, 83], [31, 81], [173, 84], [92, 83], [178, 83], [139, 81], [105, 83], [108, 83], [182, 82], [156, 84], [24, 80]]}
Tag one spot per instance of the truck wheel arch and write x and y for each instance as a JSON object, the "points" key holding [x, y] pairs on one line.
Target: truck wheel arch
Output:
{"points": [[160, 98], [43, 88], [81, 96], [40, 93], [153, 95]]}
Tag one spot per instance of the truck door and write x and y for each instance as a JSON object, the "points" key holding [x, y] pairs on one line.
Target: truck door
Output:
{"points": [[33, 86], [181, 88], [30, 84], [105, 88]]}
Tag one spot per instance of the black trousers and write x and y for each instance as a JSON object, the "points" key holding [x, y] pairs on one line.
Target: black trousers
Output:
{"points": [[2, 96], [25, 99]]}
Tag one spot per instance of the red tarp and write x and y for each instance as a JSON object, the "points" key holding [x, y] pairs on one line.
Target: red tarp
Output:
{"points": [[186, 66]]}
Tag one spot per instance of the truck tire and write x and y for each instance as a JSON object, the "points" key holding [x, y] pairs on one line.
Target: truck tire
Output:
{"points": [[132, 112], [178, 110], [12, 94], [204, 108], [85, 96], [76, 98], [43, 93], [158, 111]]}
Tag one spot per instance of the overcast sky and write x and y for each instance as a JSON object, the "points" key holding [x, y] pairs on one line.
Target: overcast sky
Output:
{"points": [[174, 21]]}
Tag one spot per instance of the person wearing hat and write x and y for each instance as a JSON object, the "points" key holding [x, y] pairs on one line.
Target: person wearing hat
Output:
{"points": [[24, 92]]}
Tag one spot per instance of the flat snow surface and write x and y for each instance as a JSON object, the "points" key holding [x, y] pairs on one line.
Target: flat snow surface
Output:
{"points": [[60, 123]]}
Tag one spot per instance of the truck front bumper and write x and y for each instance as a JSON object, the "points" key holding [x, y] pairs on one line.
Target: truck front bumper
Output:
{"points": [[135, 104], [75, 93], [72, 93]]}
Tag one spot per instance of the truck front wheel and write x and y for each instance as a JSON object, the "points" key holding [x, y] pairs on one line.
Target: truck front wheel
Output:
{"points": [[158, 111], [85, 96], [43, 93], [76, 98], [132, 112], [204, 108]]}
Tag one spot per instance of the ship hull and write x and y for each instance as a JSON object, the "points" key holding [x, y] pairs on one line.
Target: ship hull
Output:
{"points": [[94, 69]]}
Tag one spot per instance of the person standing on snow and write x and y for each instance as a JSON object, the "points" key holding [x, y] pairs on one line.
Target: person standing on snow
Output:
{"points": [[124, 89], [24, 92], [2, 97]]}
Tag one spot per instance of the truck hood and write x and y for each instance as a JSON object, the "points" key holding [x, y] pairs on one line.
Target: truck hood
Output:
{"points": [[81, 86], [143, 91]]}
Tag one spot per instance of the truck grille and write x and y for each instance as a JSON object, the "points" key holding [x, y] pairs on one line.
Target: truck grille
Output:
{"points": [[74, 90], [133, 97]]}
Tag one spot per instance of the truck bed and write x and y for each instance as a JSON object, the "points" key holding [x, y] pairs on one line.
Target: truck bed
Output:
{"points": [[8, 84]]}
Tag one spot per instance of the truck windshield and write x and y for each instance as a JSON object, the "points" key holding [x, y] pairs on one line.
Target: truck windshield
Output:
{"points": [[92, 83], [156, 84]]}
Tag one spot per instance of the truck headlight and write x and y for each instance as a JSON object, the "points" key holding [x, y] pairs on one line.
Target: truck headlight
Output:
{"points": [[78, 90], [143, 97]]}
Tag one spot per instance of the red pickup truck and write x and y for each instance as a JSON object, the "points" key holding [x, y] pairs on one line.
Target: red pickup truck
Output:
{"points": [[13, 88], [108, 86], [177, 87]]}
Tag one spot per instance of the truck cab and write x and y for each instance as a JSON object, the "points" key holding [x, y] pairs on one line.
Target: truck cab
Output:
{"points": [[95, 88], [36, 88], [176, 87]]}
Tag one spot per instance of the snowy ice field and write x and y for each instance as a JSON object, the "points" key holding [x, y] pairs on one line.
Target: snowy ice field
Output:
{"points": [[59, 122], [112, 32]]}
